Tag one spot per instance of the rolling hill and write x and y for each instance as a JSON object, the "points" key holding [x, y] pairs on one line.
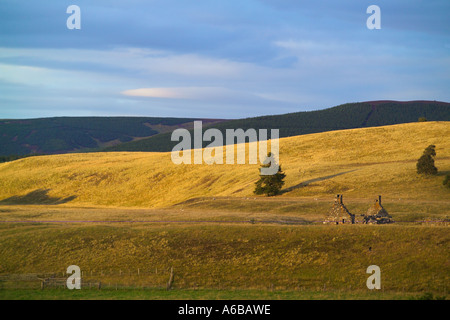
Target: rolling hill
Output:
{"points": [[358, 162]]}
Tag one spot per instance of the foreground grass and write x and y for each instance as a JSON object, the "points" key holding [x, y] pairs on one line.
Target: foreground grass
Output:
{"points": [[234, 256], [204, 294]]}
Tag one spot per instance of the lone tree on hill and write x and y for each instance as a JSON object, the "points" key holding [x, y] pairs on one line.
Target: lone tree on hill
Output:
{"points": [[425, 164], [270, 185]]}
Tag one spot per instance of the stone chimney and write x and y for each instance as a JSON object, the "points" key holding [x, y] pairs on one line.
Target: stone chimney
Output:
{"points": [[340, 201], [379, 200]]}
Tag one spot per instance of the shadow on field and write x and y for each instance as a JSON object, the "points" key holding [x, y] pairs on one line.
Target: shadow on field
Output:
{"points": [[443, 173], [305, 183], [39, 196]]}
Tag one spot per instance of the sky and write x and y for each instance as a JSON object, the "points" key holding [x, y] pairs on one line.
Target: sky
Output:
{"points": [[218, 58]]}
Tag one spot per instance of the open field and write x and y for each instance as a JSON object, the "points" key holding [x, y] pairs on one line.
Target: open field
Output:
{"points": [[127, 218], [233, 256], [282, 210]]}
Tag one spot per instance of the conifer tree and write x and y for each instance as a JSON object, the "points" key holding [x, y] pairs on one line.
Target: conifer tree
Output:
{"points": [[425, 164], [270, 185]]}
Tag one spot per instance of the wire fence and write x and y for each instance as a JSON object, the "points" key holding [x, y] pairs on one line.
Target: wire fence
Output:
{"points": [[167, 279], [93, 279]]}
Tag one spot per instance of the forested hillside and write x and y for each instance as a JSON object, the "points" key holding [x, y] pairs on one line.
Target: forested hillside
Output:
{"points": [[68, 134]]}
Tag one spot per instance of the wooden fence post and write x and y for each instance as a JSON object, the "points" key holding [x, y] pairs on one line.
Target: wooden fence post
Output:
{"points": [[170, 283]]}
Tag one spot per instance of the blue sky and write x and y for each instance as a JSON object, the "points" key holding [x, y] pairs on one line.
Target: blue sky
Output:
{"points": [[217, 59]]}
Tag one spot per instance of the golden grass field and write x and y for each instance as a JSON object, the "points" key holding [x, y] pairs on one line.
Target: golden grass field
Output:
{"points": [[118, 212], [367, 162]]}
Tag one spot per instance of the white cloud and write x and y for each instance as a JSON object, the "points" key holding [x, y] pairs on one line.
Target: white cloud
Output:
{"points": [[194, 93], [146, 61]]}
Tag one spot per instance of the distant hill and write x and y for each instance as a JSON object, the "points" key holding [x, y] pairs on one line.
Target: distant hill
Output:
{"points": [[346, 116], [70, 134], [90, 134]]}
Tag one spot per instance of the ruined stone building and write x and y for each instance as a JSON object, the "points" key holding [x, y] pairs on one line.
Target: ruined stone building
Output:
{"points": [[339, 213], [377, 214]]}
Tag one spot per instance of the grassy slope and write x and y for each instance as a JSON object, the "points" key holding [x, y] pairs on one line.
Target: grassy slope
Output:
{"points": [[370, 161]]}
